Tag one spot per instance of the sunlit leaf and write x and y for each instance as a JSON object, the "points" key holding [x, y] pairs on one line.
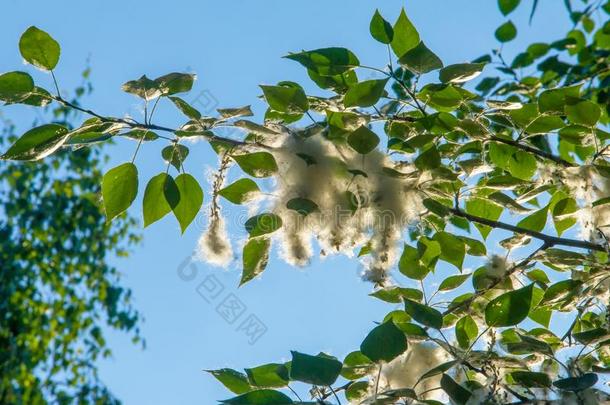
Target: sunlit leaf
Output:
{"points": [[384, 343], [318, 370], [37, 143], [243, 190], [39, 49], [191, 199], [380, 29], [255, 258], [119, 189], [406, 36], [509, 308]]}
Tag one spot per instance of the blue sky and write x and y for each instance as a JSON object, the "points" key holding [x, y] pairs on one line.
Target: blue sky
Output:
{"points": [[233, 46]]}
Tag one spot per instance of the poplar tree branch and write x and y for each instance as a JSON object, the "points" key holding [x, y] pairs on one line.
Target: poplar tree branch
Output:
{"points": [[531, 149], [547, 239], [152, 127]]}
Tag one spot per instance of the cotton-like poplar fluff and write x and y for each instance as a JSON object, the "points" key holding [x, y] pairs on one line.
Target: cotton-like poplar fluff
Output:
{"points": [[497, 266], [405, 371], [588, 186], [357, 203], [214, 245]]}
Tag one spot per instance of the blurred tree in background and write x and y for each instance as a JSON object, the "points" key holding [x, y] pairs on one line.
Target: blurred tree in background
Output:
{"points": [[57, 290]]}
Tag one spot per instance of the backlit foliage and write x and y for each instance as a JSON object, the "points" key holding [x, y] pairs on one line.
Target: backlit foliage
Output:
{"points": [[493, 165]]}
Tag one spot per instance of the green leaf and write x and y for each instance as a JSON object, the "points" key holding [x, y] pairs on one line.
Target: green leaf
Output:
{"points": [[257, 164], [260, 397], [380, 29], [15, 86], [39, 97], [119, 189], [356, 365], [396, 295], [228, 113], [255, 258], [531, 379], [456, 392], [173, 83], [410, 265], [584, 112], [428, 159], [235, 381], [592, 336], [38, 143], [522, 165], [544, 125], [187, 109], [453, 248], [160, 197], [577, 383], [474, 247], [289, 99], [466, 331], [538, 275], [460, 72], [263, 224], [441, 368], [364, 94], [564, 214], [485, 209], [508, 6], [337, 83], [535, 222], [436, 207], [39, 49], [143, 88], [406, 36], [175, 155], [560, 291], [317, 370], [191, 198], [506, 32], [363, 140], [555, 100], [241, 191], [429, 250], [303, 206], [273, 375], [421, 60], [424, 314], [141, 135], [357, 391], [327, 61], [509, 308], [384, 343], [442, 97], [538, 314], [453, 282]]}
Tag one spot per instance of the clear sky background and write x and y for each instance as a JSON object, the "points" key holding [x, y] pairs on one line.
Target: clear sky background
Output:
{"points": [[233, 46]]}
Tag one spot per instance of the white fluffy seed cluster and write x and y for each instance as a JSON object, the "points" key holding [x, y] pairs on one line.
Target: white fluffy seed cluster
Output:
{"points": [[588, 186], [405, 371], [357, 202], [214, 245], [497, 266]]}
